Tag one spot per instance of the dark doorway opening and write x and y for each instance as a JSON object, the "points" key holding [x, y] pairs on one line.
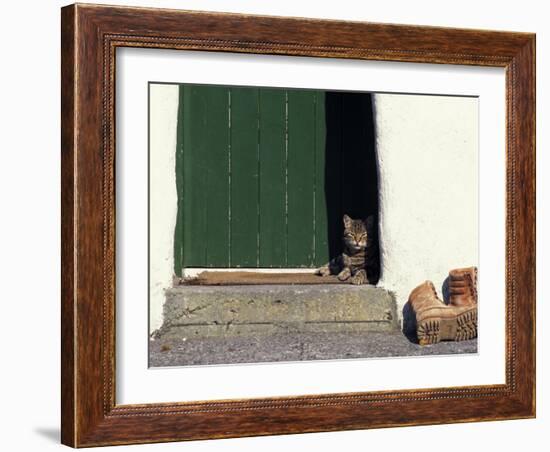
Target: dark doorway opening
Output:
{"points": [[351, 176]]}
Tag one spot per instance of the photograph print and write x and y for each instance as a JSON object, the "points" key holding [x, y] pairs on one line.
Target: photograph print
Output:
{"points": [[299, 224]]}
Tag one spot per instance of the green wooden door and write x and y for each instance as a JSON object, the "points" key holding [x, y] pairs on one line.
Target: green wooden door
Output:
{"points": [[251, 168], [250, 178]]}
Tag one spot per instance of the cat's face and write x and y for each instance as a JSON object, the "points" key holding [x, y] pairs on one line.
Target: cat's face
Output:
{"points": [[356, 233]]}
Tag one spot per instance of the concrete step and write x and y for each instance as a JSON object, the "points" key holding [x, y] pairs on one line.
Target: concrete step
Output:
{"points": [[228, 311]]}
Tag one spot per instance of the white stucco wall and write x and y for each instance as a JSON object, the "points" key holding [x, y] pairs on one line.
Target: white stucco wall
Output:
{"points": [[427, 152], [163, 112]]}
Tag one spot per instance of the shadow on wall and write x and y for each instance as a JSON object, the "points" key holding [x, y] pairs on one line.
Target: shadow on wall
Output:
{"points": [[351, 175]]}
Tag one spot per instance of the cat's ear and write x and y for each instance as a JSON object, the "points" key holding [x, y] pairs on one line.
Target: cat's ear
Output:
{"points": [[347, 221], [369, 222]]}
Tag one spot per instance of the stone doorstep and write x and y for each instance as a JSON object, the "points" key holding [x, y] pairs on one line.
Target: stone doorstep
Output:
{"points": [[221, 311]]}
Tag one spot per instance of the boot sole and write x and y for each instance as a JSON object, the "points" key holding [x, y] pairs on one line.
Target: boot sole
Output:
{"points": [[460, 328]]}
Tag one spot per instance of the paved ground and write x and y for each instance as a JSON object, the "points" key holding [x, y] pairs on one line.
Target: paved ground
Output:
{"points": [[294, 347]]}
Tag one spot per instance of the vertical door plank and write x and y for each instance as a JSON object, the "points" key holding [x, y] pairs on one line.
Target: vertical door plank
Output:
{"points": [[272, 234], [178, 232], [194, 195], [334, 171], [321, 248], [244, 177], [216, 148], [301, 168]]}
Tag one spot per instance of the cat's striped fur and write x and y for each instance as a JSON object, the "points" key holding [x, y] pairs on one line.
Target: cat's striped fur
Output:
{"points": [[359, 260]]}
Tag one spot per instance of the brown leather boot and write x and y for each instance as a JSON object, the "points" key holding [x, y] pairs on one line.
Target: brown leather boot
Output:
{"points": [[463, 286], [435, 321]]}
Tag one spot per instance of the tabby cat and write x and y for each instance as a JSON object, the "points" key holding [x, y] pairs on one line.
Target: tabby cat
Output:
{"points": [[359, 260]]}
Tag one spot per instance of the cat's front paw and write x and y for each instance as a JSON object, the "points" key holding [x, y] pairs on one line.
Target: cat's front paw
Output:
{"points": [[323, 271], [344, 274], [359, 278]]}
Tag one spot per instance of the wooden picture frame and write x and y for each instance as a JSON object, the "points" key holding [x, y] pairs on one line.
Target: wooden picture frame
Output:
{"points": [[90, 36]]}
